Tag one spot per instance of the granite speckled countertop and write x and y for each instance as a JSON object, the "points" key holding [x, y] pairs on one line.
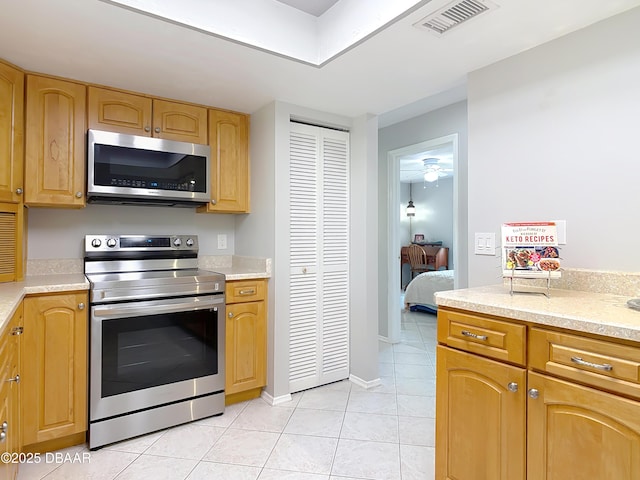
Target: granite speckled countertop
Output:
{"points": [[581, 311], [42, 277]]}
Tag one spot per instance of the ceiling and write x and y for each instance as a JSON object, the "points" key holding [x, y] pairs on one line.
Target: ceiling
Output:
{"points": [[399, 72], [312, 7], [413, 167]]}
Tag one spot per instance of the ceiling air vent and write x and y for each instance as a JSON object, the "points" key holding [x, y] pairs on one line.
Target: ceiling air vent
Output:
{"points": [[453, 15]]}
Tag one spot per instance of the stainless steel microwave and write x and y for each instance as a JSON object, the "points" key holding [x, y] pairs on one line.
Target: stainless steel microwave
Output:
{"points": [[131, 169]]}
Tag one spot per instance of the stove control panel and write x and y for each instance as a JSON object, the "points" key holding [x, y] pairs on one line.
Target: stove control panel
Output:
{"points": [[140, 243]]}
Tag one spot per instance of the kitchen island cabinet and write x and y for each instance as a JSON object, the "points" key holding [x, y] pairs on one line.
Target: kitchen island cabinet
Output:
{"points": [[55, 143], [54, 380], [515, 400], [246, 339], [123, 112]]}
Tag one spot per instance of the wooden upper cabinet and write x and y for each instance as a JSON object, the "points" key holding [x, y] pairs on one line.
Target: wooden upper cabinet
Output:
{"points": [[123, 112], [11, 134], [55, 142], [179, 121], [120, 112], [229, 141]]}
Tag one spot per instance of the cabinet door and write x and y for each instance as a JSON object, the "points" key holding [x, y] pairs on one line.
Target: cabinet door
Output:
{"points": [[55, 143], [120, 112], [180, 122], [229, 140], [480, 422], [54, 379], [245, 347], [11, 133], [578, 432]]}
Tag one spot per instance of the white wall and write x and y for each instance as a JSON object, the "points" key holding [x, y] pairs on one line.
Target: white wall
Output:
{"points": [[553, 135], [55, 233], [438, 123]]}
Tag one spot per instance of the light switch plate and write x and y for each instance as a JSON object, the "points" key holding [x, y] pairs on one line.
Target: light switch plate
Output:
{"points": [[485, 244]]}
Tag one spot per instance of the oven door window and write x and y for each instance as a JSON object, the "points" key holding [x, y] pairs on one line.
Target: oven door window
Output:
{"points": [[153, 350]]}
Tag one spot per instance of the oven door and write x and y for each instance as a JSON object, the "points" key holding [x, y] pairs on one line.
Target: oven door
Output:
{"points": [[151, 353]]}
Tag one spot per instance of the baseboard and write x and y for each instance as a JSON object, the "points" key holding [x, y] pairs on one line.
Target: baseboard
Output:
{"points": [[384, 339], [273, 401], [365, 383]]}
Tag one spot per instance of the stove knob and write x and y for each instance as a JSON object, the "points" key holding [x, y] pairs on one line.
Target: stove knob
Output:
{"points": [[111, 242], [177, 242], [96, 242], [189, 242]]}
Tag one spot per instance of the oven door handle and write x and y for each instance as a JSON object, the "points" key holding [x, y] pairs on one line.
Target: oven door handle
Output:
{"points": [[156, 308]]}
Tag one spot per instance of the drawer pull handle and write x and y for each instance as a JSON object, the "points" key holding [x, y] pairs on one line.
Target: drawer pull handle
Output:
{"points": [[251, 291], [17, 331], [600, 366], [14, 379], [466, 333]]}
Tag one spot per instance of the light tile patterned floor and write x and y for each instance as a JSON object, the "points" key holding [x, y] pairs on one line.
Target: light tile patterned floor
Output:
{"points": [[338, 431]]}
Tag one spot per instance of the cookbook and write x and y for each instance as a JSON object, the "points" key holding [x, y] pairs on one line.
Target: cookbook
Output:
{"points": [[530, 250]]}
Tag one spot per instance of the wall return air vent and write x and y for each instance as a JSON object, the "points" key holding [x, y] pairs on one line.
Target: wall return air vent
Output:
{"points": [[453, 15]]}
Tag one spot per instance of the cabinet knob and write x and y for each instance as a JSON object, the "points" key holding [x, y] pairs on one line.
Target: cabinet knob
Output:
{"points": [[213, 202], [147, 128], [78, 194], [534, 393], [19, 191], [3, 436], [15, 379], [230, 314], [513, 387], [4, 426], [304, 270], [157, 129], [81, 306]]}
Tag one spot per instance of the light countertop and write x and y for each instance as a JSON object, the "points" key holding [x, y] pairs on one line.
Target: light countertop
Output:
{"points": [[581, 311]]}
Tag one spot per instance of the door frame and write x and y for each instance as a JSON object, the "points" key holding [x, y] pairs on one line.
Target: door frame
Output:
{"points": [[393, 230]]}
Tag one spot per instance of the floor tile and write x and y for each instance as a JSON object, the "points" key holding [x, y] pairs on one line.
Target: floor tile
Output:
{"points": [[417, 431], [263, 417], [414, 371], [150, 467], [47, 464], [243, 447], [416, 406], [371, 402], [369, 426], [270, 474], [415, 386], [421, 358], [321, 423], [186, 441], [325, 399], [417, 463], [303, 453], [101, 465], [371, 460], [231, 412], [209, 471]]}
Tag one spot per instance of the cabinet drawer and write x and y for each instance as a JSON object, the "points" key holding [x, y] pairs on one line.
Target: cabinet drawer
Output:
{"points": [[483, 335], [599, 363], [245, 291]]}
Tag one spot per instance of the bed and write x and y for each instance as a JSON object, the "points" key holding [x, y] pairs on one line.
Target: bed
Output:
{"points": [[419, 293]]}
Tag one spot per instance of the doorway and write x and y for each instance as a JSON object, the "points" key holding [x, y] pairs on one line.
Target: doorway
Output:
{"points": [[396, 208]]}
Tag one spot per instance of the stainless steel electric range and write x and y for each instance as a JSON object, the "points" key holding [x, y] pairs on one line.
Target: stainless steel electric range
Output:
{"points": [[156, 335]]}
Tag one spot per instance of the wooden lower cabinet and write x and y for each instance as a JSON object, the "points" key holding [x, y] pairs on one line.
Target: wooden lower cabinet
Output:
{"points": [[54, 379], [579, 432], [10, 388], [481, 423], [246, 340], [574, 415]]}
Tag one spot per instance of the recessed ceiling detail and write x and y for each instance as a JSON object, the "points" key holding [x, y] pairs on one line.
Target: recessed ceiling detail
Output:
{"points": [[453, 15]]}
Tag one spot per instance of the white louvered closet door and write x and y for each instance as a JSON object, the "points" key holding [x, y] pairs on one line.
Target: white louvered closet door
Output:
{"points": [[319, 228]]}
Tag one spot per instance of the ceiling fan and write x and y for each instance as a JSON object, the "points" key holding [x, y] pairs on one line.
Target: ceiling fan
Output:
{"points": [[432, 170]]}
